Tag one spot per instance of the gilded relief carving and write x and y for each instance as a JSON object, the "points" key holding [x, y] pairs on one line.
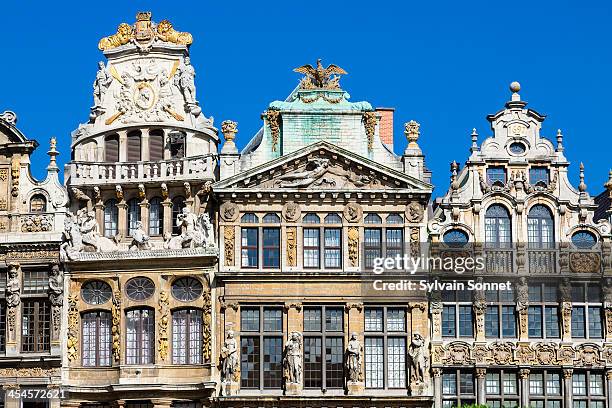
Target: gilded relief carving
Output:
{"points": [[116, 326], [353, 246], [272, 117], [73, 328], [207, 329], [229, 236], [164, 322], [291, 239], [369, 123]]}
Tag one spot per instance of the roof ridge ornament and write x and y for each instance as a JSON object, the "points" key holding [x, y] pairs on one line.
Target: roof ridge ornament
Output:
{"points": [[143, 33], [9, 116], [515, 87], [319, 77]]}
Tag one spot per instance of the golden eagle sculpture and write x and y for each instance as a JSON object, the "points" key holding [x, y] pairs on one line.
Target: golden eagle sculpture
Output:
{"points": [[320, 77]]}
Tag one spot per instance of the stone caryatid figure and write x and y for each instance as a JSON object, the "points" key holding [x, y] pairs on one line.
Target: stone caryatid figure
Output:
{"points": [[418, 359], [293, 359], [353, 359], [140, 239], [229, 358], [101, 84], [522, 295], [56, 285], [185, 80], [13, 286]]}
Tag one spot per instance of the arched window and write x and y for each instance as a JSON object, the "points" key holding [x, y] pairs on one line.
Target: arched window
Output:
{"points": [[333, 218], [133, 146], [372, 219], [249, 218], [140, 336], [111, 217], [311, 219], [395, 219], [584, 240], [497, 227], [156, 216], [156, 145], [187, 336], [96, 339], [178, 203], [38, 203], [271, 219], [111, 148], [540, 231], [455, 238], [133, 215]]}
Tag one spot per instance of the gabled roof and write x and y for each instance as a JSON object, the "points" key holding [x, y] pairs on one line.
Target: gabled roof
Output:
{"points": [[267, 175]]}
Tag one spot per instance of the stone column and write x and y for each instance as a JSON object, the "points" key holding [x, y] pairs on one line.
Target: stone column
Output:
{"points": [[144, 145], [54, 402], [435, 308], [437, 376], [99, 209], [161, 402], [122, 219], [122, 146], [567, 386], [479, 306], [355, 324], [524, 376], [167, 208], [8, 401], [144, 214], [481, 373]]}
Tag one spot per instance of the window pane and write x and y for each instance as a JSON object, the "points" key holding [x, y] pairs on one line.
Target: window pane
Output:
{"points": [[448, 321], [273, 320], [311, 247], [273, 362], [493, 384], [372, 245], [492, 321], [334, 354], [595, 323], [579, 384], [449, 384], [249, 362], [313, 377], [249, 319], [466, 384], [373, 320], [578, 322], [465, 321], [535, 321], [553, 384], [333, 319], [508, 321], [396, 367], [374, 363], [396, 320], [596, 384], [312, 320], [536, 384], [249, 247], [394, 242], [140, 336], [271, 247], [552, 322], [333, 247], [510, 384]]}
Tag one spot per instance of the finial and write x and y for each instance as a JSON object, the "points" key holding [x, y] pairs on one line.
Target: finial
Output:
{"points": [[582, 187], [515, 87], [474, 147], [229, 128], [412, 132], [52, 153], [454, 167], [560, 147]]}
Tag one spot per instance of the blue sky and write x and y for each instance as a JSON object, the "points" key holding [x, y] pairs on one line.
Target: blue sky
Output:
{"points": [[445, 64]]}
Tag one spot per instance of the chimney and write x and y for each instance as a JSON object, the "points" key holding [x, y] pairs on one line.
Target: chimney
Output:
{"points": [[385, 127]]}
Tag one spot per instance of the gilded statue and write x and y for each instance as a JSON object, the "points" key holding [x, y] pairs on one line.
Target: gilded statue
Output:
{"points": [[320, 77], [123, 36], [166, 32]]}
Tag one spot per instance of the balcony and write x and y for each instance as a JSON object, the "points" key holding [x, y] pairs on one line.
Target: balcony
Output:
{"points": [[188, 168], [499, 261], [542, 261]]}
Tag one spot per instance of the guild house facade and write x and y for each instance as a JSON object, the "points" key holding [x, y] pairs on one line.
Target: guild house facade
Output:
{"points": [[172, 269]]}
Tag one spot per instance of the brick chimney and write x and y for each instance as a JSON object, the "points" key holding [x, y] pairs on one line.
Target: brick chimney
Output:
{"points": [[385, 127]]}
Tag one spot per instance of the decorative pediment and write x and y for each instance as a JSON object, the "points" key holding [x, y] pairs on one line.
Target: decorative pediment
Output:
{"points": [[323, 166]]}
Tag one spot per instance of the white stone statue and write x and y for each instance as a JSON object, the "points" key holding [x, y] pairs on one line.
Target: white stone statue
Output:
{"points": [[418, 359], [229, 358], [185, 79], [314, 170], [56, 286], [140, 239], [13, 287], [82, 235], [101, 84], [353, 359], [196, 231], [293, 359]]}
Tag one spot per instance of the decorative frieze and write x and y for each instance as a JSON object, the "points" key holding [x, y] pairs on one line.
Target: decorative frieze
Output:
{"points": [[291, 240], [353, 246], [164, 322], [72, 343], [32, 372], [229, 239], [116, 326], [207, 329]]}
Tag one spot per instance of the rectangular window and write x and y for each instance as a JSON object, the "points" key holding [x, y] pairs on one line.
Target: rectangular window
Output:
{"points": [[552, 322], [312, 320], [465, 321], [35, 282], [496, 174], [187, 336], [394, 242], [96, 339], [271, 247], [323, 347], [545, 389], [2, 326], [311, 247], [249, 249], [578, 322], [538, 175], [261, 345], [458, 388], [588, 389], [334, 354], [372, 245], [313, 361], [595, 323], [333, 245], [448, 321], [492, 321], [35, 326], [140, 336], [386, 342]]}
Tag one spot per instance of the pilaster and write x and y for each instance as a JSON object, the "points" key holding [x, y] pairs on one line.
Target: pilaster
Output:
{"points": [[481, 374], [524, 378], [122, 218]]}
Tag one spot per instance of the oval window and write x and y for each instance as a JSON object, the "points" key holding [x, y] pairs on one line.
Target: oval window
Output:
{"points": [[584, 240], [187, 289], [96, 292], [455, 238], [517, 148], [139, 288]]}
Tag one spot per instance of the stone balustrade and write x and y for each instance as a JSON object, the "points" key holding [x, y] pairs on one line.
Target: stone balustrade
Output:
{"points": [[195, 167]]}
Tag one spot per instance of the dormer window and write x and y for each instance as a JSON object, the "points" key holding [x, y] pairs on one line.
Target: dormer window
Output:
{"points": [[539, 176], [38, 203], [517, 148], [496, 175]]}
